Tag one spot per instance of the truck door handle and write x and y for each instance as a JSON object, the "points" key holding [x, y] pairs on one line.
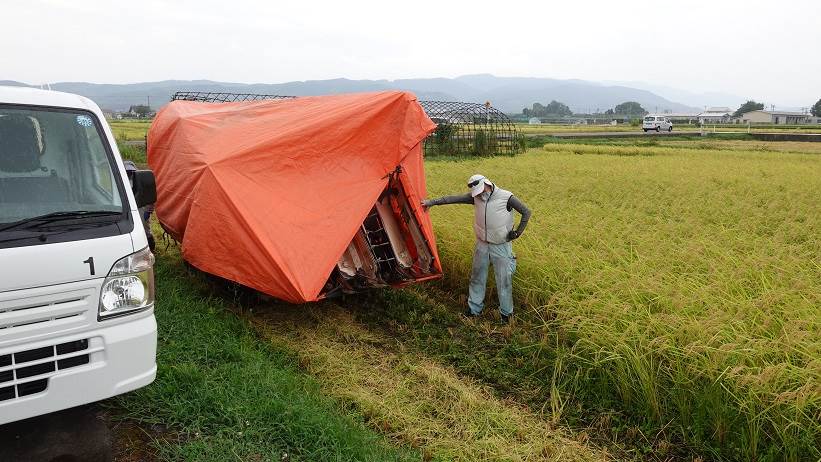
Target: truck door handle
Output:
{"points": [[90, 262]]}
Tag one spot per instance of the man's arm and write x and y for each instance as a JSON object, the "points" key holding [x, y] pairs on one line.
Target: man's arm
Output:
{"points": [[445, 200], [519, 206]]}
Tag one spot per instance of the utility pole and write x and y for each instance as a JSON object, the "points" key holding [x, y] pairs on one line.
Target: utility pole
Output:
{"points": [[148, 101]]}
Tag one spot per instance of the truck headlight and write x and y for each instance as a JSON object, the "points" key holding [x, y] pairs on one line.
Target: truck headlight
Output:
{"points": [[129, 286]]}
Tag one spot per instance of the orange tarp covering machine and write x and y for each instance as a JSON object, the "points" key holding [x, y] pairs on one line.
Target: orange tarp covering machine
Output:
{"points": [[299, 198]]}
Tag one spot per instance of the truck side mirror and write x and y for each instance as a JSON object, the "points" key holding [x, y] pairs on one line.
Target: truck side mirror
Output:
{"points": [[145, 188]]}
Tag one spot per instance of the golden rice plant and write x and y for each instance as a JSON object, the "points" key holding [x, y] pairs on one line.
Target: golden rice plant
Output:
{"points": [[685, 280]]}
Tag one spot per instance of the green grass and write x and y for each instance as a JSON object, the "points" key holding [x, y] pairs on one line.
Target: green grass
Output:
{"points": [[231, 397], [678, 284], [132, 153]]}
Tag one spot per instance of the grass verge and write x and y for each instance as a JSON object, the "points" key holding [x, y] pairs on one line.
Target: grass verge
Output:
{"points": [[133, 153], [229, 397]]}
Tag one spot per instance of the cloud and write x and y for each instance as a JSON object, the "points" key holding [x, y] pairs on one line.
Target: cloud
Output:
{"points": [[754, 49]]}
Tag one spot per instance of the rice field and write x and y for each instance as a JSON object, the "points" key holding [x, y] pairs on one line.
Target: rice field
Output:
{"points": [[547, 129], [716, 143], [129, 130], [681, 283], [668, 292]]}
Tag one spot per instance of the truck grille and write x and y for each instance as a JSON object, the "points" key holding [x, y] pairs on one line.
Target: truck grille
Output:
{"points": [[42, 310], [24, 373]]}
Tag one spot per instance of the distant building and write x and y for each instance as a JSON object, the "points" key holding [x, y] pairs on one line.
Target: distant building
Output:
{"points": [[112, 115], [140, 111], [534, 121], [716, 115], [775, 117]]}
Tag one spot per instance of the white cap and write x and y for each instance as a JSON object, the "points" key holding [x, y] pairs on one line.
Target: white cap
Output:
{"points": [[477, 183]]}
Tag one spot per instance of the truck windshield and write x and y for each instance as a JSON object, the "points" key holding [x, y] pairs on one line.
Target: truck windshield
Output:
{"points": [[54, 162]]}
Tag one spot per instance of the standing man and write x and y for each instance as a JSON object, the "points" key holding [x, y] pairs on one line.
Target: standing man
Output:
{"points": [[493, 225]]}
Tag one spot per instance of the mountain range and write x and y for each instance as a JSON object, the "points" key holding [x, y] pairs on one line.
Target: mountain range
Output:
{"points": [[509, 94]]}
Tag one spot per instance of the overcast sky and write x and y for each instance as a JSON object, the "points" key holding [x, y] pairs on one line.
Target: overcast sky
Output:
{"points": [[765, 50]]}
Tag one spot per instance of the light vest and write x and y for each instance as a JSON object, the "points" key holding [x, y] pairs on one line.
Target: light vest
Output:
{"points": [[492, 220]]}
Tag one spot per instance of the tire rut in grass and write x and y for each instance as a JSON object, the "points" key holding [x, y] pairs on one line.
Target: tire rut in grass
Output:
{"points": [[409, 397]]}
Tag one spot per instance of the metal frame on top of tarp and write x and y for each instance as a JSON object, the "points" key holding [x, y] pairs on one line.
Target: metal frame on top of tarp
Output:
{"points": [[222, 97], [463, 129]]}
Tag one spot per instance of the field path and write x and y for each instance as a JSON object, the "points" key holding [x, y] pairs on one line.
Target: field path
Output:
{"points": [[410, 397]]}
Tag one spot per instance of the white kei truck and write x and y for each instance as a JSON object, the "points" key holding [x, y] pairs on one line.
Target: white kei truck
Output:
{"points": [[76, 276]]}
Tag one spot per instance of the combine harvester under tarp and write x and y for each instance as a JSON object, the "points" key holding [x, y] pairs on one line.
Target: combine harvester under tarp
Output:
{"points": [[300, 198]]}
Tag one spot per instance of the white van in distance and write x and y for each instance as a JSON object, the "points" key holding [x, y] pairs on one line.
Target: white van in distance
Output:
{"points": [[76, 276], [657, 122]]}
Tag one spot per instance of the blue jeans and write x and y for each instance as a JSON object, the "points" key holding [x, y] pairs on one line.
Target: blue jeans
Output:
{"points": [[504, 265]]}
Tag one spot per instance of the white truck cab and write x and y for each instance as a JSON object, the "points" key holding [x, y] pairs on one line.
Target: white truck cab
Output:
{"points": [[76, 280], [656, 122]]}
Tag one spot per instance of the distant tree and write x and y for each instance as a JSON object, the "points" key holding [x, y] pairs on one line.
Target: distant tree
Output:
{"points": [[749, 106], [816, 109], [630, 108], [609, 112], [557, 108], [553, 108]]}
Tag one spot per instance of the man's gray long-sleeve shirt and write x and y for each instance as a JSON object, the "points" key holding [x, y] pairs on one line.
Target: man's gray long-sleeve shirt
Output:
{"points": [[512, 204]]}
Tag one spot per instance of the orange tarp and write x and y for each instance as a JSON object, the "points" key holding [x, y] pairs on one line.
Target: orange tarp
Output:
{"points": [[270, 193]]}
